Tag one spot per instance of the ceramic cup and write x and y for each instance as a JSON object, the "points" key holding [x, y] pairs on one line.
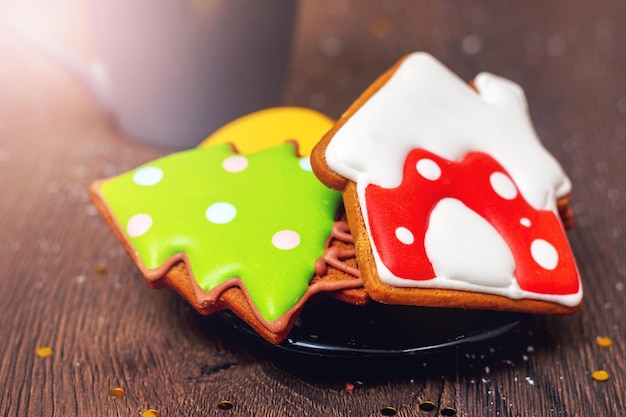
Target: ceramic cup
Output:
{"points": [[172, 71]]}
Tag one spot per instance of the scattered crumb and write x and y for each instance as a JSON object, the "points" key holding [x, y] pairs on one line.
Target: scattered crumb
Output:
{"points": [[331, 46], [621, 105], [600, 375], [604, 341], [471, 44], [5, 155], [91, 210], [44, 351], [530, 380], [117, 392], [556, 46]]}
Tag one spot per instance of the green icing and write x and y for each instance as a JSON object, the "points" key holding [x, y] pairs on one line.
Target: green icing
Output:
{"points": [[271, 194]]}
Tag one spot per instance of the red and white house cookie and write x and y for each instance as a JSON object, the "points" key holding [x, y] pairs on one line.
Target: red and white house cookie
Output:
{"points": [[451, 198]]}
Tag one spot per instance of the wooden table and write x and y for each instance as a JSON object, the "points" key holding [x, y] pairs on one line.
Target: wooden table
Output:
{"points": [[67, 284]]}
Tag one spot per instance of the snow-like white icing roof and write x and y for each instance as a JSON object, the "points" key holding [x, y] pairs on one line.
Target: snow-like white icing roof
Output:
{"points": [[425, 105]]}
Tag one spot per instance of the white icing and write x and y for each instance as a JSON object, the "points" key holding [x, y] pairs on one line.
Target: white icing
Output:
{"points": [[544, 254], [503, 186], [425, 105], [513, 291], [451, 246], [221, 213], [428, 169], [286, 239], [405, 236], [235, 163], [139, 225], [305, 164], [148, 176]]}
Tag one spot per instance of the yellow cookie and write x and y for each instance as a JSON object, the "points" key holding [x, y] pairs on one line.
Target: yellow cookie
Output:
{"points": [[274, 126]]}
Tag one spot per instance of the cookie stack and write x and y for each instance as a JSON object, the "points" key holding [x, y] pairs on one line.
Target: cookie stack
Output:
{"points": [[427, 192]]}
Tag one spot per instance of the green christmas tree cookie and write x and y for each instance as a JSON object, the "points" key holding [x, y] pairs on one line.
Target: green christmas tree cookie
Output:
{"points": [[261, 218]]}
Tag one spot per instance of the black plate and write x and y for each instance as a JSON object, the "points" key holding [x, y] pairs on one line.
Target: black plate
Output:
{"points": [[333, 328]]}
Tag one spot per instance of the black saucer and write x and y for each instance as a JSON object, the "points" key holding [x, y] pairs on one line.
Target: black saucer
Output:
{"points": [[333, 328]]}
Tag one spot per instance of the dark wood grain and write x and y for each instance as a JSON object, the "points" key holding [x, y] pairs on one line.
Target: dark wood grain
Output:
{"points": [[66, 283]]}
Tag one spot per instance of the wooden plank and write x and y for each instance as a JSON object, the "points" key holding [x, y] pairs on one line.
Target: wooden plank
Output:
{"points": [[66, 283]]}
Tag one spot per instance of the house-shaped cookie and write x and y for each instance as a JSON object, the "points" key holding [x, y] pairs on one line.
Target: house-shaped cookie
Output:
{"points": [[450, 196]]}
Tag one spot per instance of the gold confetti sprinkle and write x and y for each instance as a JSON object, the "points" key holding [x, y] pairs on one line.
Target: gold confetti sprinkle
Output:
{"points": [[150, 413], [380, 28], [225, 405], [427, 406], [100, 269], [44, 351], [448, 411], [388, 411], [604, 341], [600, 375], [117, 392]]}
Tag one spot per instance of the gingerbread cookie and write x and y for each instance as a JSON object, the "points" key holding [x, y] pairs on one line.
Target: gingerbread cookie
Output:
{"points": [[338, 264], [227, 230], [273, 126], [269, 127], [450, 196]]}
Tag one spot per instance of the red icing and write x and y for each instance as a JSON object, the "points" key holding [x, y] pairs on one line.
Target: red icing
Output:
{"points": [[410, 205]]}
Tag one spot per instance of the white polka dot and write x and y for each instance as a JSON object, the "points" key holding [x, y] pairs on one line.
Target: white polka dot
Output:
{"points": [[305, 164], [525, 222], [138, 225], [405, 236], [221, 213], [148, 176], [503, 186], [544, 254], [235, 163], [286, 239], [428, 169]]}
